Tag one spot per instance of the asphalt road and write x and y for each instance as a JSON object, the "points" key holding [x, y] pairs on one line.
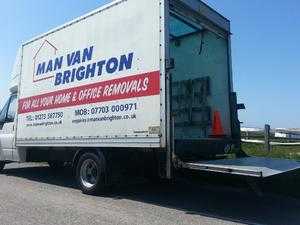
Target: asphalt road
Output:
{"points": [[34, 195]]}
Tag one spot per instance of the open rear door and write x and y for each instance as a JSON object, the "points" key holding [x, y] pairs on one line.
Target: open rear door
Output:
{"points": [[200, 87], [247, 166], [202, 101]]}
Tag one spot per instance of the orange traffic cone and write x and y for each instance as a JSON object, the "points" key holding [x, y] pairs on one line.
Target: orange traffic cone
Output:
{"points": [[217, 128]]}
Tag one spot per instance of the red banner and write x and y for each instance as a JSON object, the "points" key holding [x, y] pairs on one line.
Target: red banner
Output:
{"points": [[123, 88]]}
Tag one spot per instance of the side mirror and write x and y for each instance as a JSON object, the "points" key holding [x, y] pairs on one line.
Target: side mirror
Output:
{"points": [[2, 121], [1, 124], [240, 106], [8, 120], [3, 113]]}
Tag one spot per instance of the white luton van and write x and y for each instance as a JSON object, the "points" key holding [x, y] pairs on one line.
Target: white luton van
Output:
{"points": [[147, 83]]}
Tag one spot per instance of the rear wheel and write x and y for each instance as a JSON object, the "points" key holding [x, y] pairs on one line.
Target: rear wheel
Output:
{"points": [[90, 173], [2, 164]]}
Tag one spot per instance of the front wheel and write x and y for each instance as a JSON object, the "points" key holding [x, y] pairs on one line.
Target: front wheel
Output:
{"points": [[2, 164], [90, 173]]}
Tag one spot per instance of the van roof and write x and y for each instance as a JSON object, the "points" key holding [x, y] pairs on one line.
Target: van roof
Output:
{"points": [[197, 5]]}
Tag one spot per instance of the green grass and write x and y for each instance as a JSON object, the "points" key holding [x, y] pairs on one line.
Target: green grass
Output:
{"points": [[282, 152]]}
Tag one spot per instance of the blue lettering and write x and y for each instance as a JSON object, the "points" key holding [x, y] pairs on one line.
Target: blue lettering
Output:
{"points": [[100, 65], [126, 62], [112, 65], [58, 79], [90, 70], [41, 68], [70, 58], [58, 63], [49, 67], [76, 58], [66, 78], [87, 54], [73, 74], [80, 73]]}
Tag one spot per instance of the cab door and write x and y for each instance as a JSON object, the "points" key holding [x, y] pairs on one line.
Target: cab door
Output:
{"points": [[7, 127]]}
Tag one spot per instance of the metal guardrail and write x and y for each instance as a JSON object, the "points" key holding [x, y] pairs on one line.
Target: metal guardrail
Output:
{"points": [[271, 143], [267, 136]]}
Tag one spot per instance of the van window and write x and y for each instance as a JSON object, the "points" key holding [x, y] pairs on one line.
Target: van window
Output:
{"points": [[12, 109], [3, 113]]}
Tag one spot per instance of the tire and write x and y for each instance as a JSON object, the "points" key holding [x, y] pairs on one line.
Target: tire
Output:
{"points": [[56, 165], [2, 165], [91, 173]]}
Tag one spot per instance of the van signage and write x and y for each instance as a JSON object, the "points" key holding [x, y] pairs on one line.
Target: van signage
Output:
{"points": [[79, 65]]}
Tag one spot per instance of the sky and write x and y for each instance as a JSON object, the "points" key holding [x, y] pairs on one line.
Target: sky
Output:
{"points": [[265, 49]]}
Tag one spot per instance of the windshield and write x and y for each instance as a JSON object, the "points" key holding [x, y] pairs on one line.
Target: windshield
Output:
{"points": [[3, 112], [12, 109]]}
